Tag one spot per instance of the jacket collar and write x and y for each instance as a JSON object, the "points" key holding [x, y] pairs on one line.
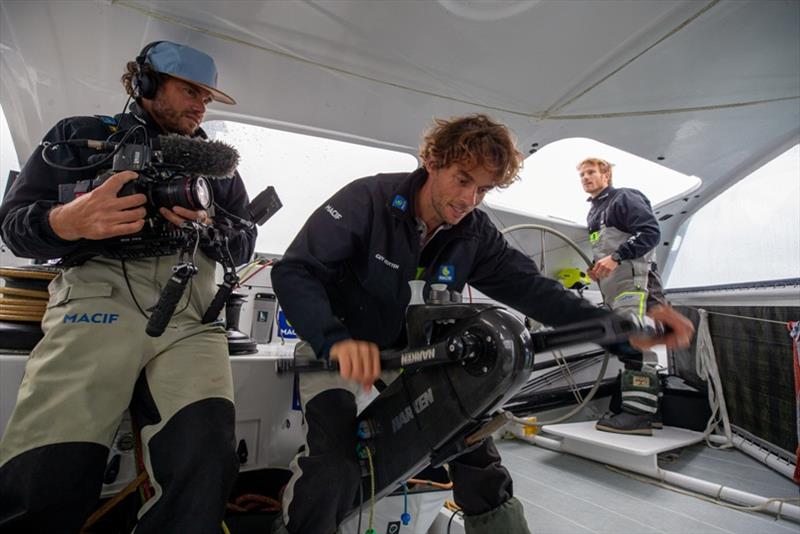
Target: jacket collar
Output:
{"points": [[403, 200], [602, 196]]}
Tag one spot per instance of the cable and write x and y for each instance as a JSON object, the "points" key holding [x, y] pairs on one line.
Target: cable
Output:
{"points": [[130, 290], [116, 499], [47, 145], [746, 317], [251, 275], [128, 101], [431, 483], [371, 530], [360, 502], [246, 266], [245, 269], [405, 517], [450, 522], [146, 490], [141, 310], [236, 218]]}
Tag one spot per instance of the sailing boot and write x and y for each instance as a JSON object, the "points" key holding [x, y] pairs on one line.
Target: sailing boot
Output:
{"points": [[657, 422], [639, 392], [658, 418]]}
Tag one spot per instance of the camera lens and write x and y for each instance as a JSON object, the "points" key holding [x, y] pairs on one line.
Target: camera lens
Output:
{"points": [[190, 193], [202, 192]]}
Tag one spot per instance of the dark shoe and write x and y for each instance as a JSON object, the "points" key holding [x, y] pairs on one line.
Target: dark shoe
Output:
{"points": [[626, 423]]}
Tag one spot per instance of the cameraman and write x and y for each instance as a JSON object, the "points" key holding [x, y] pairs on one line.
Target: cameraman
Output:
{"points": [[95, 359]]}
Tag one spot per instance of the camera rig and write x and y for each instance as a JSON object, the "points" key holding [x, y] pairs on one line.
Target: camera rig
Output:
{"points": [[172, 171]]}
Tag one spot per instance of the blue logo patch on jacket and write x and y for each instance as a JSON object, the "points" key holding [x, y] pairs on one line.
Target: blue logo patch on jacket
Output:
{"points": [[285, 328], [446, 273], [400, 202], [109, 122], [96, 318]]}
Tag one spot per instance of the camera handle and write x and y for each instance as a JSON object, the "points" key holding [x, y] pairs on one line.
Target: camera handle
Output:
{"points": [[229, 282], [165, 307]]}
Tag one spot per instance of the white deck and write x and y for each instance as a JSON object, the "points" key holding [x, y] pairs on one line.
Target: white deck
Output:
{"points": [[562, 493], [634, 452]]}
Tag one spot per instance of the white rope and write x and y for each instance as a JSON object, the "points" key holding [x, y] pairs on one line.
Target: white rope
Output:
{"points": [[706, 368]]}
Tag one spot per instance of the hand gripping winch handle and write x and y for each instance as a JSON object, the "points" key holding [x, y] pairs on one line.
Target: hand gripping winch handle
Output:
{"points": [[390, 359], [603, 331]]}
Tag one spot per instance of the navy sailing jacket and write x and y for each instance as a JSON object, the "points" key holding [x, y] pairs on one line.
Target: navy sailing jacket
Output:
{"points": [[627, 210], [24, 212], [346, 273]]}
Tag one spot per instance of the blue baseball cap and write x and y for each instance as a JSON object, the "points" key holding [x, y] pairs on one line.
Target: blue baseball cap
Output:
{"points": [[187, 64]]}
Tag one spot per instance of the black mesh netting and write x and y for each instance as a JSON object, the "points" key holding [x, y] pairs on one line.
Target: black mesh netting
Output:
{"points": [[755, 365]]}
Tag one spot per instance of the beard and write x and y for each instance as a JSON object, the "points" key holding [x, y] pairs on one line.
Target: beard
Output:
{"points": [[446, 214], [170, 119]]}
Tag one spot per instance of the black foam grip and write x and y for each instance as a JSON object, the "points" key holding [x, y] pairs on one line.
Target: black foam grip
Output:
{"points": [[163, 310], [216, 305]]}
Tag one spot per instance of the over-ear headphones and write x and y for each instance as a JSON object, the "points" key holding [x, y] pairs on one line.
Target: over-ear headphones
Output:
{"points": [[145, 84]]}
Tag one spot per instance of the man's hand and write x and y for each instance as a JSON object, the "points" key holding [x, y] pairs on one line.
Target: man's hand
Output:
{"points": [[359, 361], [100, 214], [178, 215], [680, 336], [602, 268]]}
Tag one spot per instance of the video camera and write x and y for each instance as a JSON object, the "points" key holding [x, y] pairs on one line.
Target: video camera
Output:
{"points": [[173, 170], [164, 185]]}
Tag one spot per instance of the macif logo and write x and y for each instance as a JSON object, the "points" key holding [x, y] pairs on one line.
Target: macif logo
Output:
{"points": [[446, 273], [333, 212], [95, 318], [285, 328], [420, 404]]}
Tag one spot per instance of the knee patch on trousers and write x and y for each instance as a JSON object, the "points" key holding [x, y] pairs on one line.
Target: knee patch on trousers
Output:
{"points": [[196, 449], [52, 488], [508, 517]]}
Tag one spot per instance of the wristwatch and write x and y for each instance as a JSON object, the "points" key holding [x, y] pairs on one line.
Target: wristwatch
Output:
{"points": [[616, 257]]}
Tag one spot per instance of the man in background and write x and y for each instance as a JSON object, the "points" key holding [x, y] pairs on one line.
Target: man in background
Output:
{"points": [[623, 232]]}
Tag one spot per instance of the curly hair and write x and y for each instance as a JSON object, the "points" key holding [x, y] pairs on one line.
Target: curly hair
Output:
{"points": [[131, 71], [473, 141]]}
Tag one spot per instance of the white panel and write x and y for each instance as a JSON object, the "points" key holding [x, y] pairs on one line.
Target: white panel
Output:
{"points": [[749, 233]]}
